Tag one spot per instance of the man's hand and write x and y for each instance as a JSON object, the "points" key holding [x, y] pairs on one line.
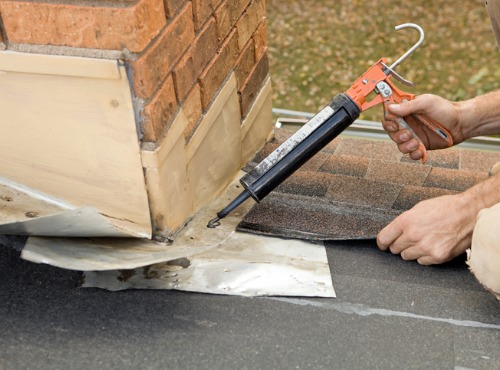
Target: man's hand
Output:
{"points": [[439, 229], [432, 106], [434, 231]]}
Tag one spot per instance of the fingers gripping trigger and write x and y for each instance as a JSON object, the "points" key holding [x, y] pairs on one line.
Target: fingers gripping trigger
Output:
{"points": [[403, 125]]}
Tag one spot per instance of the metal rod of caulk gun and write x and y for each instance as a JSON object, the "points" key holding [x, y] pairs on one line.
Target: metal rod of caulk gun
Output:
{"points": [[229, 208]]}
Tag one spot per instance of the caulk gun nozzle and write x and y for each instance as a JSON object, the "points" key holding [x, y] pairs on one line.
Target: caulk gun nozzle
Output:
{"points": [[235, 203], [214, 222]]}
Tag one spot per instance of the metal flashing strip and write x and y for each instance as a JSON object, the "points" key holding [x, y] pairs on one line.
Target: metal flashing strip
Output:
{"points": [[233, 263]]}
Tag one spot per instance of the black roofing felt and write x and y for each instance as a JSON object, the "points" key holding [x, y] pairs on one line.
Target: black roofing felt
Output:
{"points": [[354, 187]]}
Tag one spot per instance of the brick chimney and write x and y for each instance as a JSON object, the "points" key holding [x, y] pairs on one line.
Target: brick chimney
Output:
{"points": [[198, 78]]}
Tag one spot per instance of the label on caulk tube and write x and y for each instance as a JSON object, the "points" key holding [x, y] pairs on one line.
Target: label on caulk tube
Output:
{"points": [[321, 117]]}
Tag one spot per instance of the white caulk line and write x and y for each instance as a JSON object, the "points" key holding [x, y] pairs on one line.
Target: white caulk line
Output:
{"points": [[361, 310], [34, 193]]}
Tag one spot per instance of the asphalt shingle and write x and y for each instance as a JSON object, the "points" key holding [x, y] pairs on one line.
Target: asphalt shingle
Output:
{"points": [[357, 186]]}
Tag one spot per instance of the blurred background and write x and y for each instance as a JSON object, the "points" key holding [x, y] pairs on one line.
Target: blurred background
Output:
{"points": [[318, 48]]}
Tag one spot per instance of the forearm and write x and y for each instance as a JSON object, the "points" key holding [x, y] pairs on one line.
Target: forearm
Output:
{"points": [[480, 115], [482, 195]]}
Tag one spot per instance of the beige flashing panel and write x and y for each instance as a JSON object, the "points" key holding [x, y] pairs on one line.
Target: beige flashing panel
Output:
{"points": [[167, 182], [214, 152], [72, 135], [258, 124], [59, 65]]}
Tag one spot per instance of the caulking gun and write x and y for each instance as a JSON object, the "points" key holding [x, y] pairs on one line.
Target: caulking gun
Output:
{"points": [[328, 123]]}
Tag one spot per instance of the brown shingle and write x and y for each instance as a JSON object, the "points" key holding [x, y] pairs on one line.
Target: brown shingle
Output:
{"points": [[447, 158], [381, 150], [398, 173], [310, 183], [478, 161], [365, 192], [268, 149], [453, 180], [315, 162], [411, 195], [348, 165], [281, 135]]}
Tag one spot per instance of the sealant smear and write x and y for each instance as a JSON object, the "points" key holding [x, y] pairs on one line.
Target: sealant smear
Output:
{"points": [[33, 193], [223, 240], [361, 310]]}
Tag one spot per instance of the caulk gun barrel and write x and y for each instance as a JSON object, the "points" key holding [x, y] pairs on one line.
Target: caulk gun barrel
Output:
{"points": [[291, 155], [345, 111]]}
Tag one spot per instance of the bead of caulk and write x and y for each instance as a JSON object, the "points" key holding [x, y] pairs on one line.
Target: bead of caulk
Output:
{"points": [[214, 222]]}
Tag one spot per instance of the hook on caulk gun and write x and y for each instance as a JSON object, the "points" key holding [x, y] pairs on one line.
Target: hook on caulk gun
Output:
{"points": [[390, 69], [413, 48]]}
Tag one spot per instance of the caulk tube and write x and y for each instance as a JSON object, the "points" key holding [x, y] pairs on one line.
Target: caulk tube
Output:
{"points": [[260, 183], [294, 152]]}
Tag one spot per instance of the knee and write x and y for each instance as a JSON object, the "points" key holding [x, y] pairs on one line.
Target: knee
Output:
{"points": [[484, 255]]}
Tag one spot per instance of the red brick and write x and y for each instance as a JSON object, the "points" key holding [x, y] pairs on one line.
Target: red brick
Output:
{"points": [[249, 21], [260, 39], [98, 27], [171, 7], [253, 84], [191, 65], [202, 11], [244, 64], [192, 109], [159, 112], [227, 14], [158, 60], [215, 73]]}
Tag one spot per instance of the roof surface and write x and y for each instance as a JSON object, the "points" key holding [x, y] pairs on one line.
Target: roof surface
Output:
{"points": [[388, 314]]}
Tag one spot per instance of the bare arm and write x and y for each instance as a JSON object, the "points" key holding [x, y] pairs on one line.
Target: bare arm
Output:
{"points": [[480, 115]]}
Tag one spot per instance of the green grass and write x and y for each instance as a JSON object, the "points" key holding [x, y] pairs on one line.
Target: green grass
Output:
{"points": [[318, 48]]}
